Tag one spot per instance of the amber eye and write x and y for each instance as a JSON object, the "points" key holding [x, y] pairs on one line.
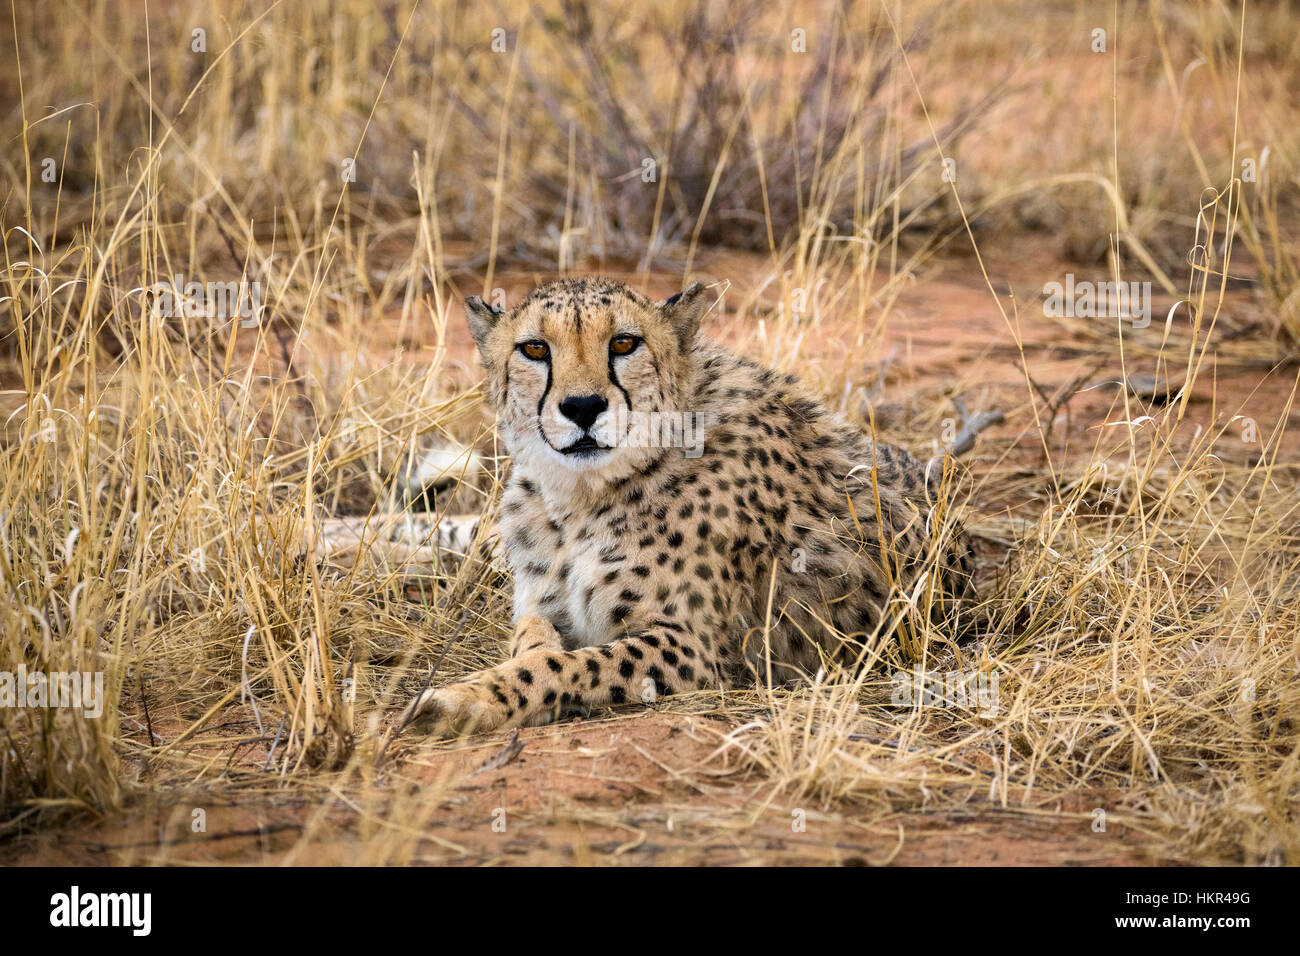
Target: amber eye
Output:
{"points": [[535, 350], [623, 344]]}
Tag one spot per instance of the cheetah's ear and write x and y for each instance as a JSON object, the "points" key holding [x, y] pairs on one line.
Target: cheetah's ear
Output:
{"points": [[684, 311], [482, 319]]}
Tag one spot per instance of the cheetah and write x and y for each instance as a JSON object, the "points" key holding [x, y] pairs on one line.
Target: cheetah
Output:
{"points": [[680, 518]]}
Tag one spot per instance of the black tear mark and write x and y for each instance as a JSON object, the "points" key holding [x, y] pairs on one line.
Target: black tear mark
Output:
{"points": [[546, 391], [617, 384]]}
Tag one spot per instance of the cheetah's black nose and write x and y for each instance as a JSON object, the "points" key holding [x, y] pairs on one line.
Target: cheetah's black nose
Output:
{"points": [[583, 409]]}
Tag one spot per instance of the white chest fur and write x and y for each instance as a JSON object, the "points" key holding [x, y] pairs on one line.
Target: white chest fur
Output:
{"points": [[569, 585]]}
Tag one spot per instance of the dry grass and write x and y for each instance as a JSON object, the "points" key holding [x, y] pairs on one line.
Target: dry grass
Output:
{"points": [[161, 479]]}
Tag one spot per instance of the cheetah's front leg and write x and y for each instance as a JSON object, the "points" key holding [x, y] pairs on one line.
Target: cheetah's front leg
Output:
{"points": [[533, 632], [542, 682]]}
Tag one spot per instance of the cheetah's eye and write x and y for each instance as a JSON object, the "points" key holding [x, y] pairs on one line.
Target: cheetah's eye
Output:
{"points": [[624, 344], [537, 351]]}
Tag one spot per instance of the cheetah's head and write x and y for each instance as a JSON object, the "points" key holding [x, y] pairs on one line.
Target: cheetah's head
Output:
{"points": [[574, 363]]}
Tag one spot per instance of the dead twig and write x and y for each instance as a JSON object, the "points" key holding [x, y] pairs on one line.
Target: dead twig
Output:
{"points": [[513, 748], [410, 711], [971, 426]]}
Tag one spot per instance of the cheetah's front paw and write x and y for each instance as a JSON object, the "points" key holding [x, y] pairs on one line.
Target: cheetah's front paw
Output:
{"points": [[455, 710]]}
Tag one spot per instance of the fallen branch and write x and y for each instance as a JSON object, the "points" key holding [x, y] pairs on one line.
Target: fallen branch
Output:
{"points": [[971, 428]]}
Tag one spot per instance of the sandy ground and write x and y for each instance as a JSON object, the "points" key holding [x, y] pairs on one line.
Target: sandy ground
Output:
{"points": [[622, 791]]}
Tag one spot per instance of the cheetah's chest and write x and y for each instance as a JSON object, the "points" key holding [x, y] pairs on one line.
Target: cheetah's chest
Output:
{"points": [[576, 585]]}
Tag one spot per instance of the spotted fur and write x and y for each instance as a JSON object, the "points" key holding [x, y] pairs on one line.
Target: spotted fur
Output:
{"points": [[645, 571]]}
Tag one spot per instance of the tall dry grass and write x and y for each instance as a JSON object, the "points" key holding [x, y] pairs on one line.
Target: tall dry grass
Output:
{"points": [[162, 477]]}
